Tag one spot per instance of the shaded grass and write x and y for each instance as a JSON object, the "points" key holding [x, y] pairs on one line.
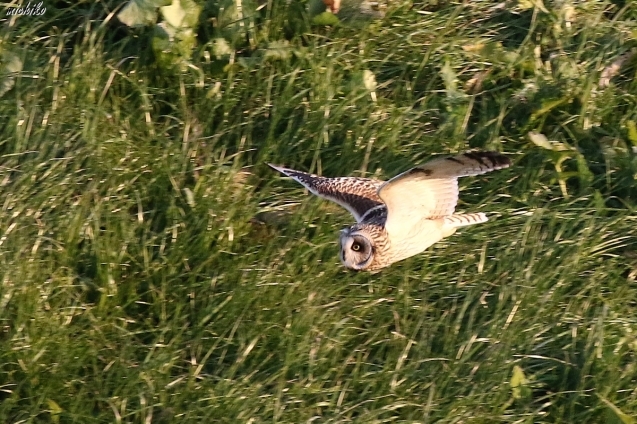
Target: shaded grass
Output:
{"points": [[138, 286]]}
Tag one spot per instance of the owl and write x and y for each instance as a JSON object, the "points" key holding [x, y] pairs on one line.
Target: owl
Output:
{"points": [[402, 217]]}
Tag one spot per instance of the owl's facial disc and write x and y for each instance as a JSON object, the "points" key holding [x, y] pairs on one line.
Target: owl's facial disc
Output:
{"points": [[357, 250]]}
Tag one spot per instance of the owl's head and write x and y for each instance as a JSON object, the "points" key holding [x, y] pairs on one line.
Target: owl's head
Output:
{"points": [[357, 248]]}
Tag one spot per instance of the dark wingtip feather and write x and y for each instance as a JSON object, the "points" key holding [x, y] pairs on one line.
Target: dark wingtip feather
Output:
{"points": [[496, 159]]}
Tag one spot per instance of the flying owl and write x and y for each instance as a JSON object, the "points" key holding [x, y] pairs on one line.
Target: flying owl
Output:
{"points": [[405, 215]]}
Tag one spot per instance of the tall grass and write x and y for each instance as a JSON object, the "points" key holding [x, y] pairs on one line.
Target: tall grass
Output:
{"points": [[153, 269]]}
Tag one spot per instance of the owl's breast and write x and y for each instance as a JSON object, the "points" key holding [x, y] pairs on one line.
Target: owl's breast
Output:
{"points": [[415, 240]]}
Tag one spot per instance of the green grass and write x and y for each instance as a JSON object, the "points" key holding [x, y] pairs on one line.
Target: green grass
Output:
{"points": [[154, 269]]}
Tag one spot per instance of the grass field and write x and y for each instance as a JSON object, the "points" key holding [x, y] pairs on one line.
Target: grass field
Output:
{"points": [[153, 269]]}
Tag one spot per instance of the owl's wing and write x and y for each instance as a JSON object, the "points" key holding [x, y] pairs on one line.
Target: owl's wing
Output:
{"points": [[357, 195], [430, 191]]}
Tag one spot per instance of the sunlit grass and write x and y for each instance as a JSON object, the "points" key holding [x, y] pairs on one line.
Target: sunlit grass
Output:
{"points": [[154, 269]]}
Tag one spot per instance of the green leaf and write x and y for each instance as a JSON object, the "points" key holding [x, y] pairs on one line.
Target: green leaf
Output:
{"points": [[325, 19], [369, 80], [174, 14], [540, 140], [171, 46], [518, 383], [54, 410], [165, 31], [632, 132], [140, 12], [181, 13], [315, 7], [175, 37], [193, 11], [10, 65], [236, 19]]}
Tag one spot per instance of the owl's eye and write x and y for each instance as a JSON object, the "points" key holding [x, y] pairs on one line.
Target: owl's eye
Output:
{"points": [[356, 246]]}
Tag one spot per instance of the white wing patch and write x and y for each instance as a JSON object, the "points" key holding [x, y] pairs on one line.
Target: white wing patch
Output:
{"points": [[410, 200], [430, 191]]}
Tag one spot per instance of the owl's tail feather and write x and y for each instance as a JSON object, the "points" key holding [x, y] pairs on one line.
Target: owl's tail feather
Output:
{"points": [[464, 219]]}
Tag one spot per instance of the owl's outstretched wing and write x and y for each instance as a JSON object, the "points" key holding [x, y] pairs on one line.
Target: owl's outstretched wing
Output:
{"points": [[430, 191], [357, 195]]}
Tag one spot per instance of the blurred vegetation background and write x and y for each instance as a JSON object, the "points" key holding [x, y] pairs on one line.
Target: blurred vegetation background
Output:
{"points": [[153, 269]]}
